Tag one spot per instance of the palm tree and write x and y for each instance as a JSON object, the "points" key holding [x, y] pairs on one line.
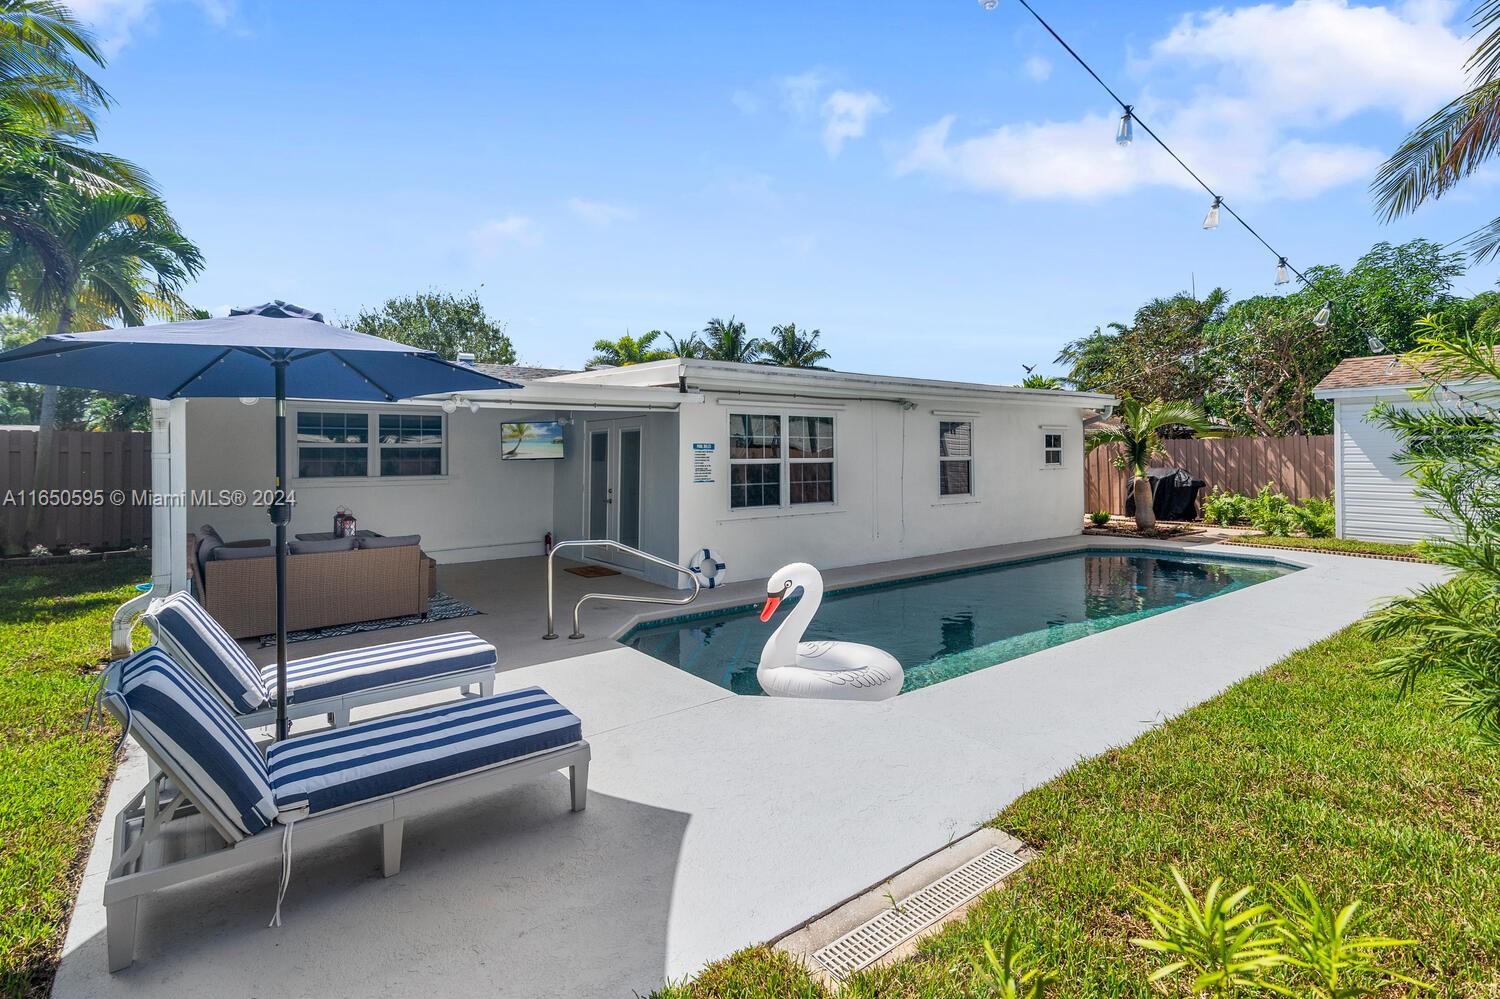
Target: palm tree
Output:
{"points": [[120, 257], [729, 341], [1139, 433], [627, 350], [788, 347], [690, 346], [1454, 142], [1041, 382]]}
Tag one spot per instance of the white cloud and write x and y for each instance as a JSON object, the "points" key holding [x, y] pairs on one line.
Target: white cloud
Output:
{"points": [[846, 115], [115, 22], [1037, 68], [496, 234], [600, 213], [799, 93], [1264, 74]]}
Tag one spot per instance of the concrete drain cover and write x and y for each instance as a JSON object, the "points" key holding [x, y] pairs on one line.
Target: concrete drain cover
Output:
{"points": [[873, 939]]}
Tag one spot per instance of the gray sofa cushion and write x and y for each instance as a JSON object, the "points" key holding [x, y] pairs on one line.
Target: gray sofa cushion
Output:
{"points": [[209, 531], [318, 547], [394, 541], [208, 543], [224, 553]]}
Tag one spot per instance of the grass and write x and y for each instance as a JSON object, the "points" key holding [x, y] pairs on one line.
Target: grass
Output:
{"points": [[1346, 545], [54, 632], [1310, 768]]}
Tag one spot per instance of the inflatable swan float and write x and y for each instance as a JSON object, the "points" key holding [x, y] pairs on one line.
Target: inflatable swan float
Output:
{"points": [[790, 667]]}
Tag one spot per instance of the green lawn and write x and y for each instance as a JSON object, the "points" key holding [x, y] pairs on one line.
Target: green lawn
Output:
{"points": [[1346, 545], [1312, 767], [54, 632]]}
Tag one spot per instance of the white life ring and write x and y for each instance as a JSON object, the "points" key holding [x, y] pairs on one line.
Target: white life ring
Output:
{"points": [[709, 568]]}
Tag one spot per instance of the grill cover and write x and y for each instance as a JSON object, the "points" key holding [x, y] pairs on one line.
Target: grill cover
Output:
{"points": [[1174, 492]]}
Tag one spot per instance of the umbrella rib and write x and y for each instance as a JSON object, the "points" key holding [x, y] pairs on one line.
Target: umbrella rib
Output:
{"points": [[200, 372], [389, 396]]}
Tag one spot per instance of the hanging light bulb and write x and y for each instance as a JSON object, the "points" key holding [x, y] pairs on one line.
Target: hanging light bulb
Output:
{"points": [[1282, 277], [1126, 133], [1324, 315], [1211, 220]]}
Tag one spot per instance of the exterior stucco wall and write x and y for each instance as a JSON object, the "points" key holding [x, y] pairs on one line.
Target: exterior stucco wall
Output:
{"points": [[483, 508], [886, 485]]}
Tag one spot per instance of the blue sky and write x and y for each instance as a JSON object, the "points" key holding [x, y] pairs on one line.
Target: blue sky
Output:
{"points": [[932, 184]]}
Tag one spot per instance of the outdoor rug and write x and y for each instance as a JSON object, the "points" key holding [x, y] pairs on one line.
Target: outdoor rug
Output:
{"points": [[591, 571], [440, 608]]}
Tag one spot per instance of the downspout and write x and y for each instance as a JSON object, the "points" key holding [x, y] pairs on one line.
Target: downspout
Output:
{"points": [[1100, 416]]}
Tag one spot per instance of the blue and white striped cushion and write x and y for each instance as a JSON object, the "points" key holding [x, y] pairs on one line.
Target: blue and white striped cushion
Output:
{"points": [[344, 766], [196, 740], [192, 637], [339, 673]]}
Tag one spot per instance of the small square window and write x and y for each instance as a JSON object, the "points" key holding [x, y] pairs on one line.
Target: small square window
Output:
{"points": [[1052, 447]]}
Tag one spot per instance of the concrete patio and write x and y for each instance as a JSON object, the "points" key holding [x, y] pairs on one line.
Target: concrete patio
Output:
{"points": [[714, 820]]}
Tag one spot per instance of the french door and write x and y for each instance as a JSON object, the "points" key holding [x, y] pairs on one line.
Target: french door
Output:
{"points": [[612, 495]]}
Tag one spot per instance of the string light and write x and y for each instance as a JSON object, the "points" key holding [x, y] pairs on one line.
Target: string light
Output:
{"points": [[1126, 133], [1281, 275], [1324, 315], [1211, 220]]}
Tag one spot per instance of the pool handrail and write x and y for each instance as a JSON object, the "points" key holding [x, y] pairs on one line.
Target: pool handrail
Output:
{"points": [[623, 597]]}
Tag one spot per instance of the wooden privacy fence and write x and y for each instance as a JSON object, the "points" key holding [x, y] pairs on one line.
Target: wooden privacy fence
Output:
{"points": [[1298, 466], [93, 490]]}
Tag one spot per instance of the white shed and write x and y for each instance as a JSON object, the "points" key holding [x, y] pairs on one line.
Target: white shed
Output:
{"points": [[1375, 499]]}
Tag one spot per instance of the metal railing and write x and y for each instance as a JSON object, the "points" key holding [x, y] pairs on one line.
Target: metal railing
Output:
{"points": [[623, 597]]}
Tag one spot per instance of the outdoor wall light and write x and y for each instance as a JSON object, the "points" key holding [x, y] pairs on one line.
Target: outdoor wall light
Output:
{"points": [[473, 406], [450, 405], [248, 400]]}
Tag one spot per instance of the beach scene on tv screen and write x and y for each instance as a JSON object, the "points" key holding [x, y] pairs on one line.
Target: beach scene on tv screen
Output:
{"points": [[531, 440]]}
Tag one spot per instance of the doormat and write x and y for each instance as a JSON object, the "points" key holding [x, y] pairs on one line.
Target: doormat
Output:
{"points": [[440, 608], [591, 571]]}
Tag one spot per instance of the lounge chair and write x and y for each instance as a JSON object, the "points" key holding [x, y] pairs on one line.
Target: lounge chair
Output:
{"points": [[330, 684], [326, 784]]}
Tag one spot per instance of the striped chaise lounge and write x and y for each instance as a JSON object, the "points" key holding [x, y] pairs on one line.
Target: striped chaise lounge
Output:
{"points": [[328, 783], [331, 684]]}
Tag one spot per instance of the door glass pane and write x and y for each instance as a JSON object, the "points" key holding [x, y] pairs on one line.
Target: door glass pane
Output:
{"points": [[630, 488], [599, 484]]}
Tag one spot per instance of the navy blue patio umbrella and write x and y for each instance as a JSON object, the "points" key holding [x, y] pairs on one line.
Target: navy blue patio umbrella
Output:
{"points": [[275, 351]]}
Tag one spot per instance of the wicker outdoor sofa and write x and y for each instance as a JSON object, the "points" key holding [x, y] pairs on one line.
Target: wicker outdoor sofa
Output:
{"points": [[377, 578]]}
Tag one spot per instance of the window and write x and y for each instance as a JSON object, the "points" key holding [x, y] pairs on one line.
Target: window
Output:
{"points": [[955, 458], [411, 444], [339, 445], [754, 461], [1052, 448], [777, 460], [333, 445]]}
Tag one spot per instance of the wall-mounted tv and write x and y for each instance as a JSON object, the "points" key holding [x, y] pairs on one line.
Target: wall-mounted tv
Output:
{"points": [[525, 441]]}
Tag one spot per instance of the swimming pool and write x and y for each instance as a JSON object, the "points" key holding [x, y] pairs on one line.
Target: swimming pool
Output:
{"points": [[944, 626]]}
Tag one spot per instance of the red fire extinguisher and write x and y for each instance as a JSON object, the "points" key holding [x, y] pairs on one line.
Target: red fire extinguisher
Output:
{"points": [[547, 544]]}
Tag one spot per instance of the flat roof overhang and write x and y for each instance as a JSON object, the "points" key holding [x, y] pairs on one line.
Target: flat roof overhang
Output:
{"points": [[808, 383]]}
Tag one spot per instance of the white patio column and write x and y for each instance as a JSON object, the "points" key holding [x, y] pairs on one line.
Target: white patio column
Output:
{"points": [[169, 488]]}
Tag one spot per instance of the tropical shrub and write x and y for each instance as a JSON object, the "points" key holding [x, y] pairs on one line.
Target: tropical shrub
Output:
{"points": [[1315, 517], [1451, 449], [1139, 431], [1271, 513], [1099, 517], [1224, 508], [1303, 946]]}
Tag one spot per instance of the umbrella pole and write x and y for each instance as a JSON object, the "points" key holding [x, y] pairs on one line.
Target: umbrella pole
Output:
{"points": [[280, 514]]}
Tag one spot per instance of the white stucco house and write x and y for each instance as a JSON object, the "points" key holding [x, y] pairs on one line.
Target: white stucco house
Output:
{"points": [[763, 465], [1375, 500]]}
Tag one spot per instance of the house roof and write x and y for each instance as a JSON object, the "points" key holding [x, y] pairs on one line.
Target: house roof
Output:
{"points": [[1380, 371], [521, 372], [728, 376]]}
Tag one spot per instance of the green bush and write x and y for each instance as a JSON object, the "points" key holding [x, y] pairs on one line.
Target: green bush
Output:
{"points": [[1099, 517], [1315, 517], [1271, 513], [1225, 508]]}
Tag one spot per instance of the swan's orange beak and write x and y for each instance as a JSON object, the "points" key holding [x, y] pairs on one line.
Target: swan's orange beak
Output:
{"points": [[773, 601]]}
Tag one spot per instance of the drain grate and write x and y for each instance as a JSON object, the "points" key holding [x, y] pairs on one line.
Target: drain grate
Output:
{"points": [[867, 943]]}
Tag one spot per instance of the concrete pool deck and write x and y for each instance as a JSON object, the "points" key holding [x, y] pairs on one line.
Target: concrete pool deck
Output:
{"points": [[714, 820]]}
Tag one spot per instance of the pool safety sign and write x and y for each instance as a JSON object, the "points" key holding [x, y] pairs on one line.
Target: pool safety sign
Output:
{"points": [[703, 463]]}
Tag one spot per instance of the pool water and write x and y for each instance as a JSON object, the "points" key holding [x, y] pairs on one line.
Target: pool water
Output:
{"points": [[940, 627]]}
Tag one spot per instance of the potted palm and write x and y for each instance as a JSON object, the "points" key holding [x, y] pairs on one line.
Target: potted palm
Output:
{"points": [[1139, 432]]}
